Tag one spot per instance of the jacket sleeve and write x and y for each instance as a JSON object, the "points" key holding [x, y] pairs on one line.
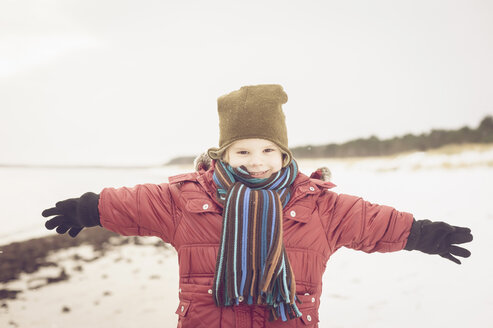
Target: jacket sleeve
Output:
{"points": [[361, 225], [144, 210]]}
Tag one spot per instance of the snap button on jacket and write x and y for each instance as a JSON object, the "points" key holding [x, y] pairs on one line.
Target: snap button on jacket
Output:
{"points": [[186, 214]]}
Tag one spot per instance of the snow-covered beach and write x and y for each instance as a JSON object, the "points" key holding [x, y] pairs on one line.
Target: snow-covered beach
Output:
{"points": [[136, 282]]}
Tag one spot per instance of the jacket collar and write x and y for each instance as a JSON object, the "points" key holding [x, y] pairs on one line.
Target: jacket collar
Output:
{"points": [[302, 185]]}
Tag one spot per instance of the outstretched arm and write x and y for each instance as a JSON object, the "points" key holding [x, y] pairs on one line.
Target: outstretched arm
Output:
{"points": [[361, 225], [358, 224], [143, 210]]}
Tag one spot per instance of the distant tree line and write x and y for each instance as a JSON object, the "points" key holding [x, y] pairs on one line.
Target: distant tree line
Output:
{"points": [[373, 146]]}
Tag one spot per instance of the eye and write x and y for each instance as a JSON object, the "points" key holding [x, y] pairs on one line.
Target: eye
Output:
{"points": [[269, 150], [242, 152]]}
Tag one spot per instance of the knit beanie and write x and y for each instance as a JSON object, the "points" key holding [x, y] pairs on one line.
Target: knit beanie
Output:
{"points": [[252, 112]]}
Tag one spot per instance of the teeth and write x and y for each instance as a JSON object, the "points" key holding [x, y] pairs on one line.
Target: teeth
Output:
{"points": [[257, 173]]}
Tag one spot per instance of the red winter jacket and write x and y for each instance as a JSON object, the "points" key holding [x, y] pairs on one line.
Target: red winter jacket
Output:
{"points": [[186, 214]]}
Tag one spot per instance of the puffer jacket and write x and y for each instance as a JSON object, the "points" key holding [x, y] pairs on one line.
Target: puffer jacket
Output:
{"points": [[186, 214]]}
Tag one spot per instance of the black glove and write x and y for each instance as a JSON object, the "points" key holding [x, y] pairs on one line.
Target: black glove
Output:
{"points": [[74, 214], [438, 238]]}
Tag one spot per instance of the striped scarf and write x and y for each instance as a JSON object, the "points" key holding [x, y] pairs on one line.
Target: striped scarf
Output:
{"points": [[252, 264]]}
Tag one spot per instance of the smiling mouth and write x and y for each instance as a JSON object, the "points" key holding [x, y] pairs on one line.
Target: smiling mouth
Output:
{"points": [[258, 174]]}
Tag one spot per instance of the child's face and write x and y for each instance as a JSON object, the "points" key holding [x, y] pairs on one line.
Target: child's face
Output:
{"points": [[261, 157]]}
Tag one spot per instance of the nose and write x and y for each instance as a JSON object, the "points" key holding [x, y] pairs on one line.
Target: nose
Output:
{"points": [[255, 160]]}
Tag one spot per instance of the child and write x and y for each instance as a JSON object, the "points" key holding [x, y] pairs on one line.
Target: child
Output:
{"points": [[252, 233]]}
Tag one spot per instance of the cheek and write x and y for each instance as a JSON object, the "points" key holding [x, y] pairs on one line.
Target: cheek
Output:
{"points": [[225, 159], [228, 158], [276, 163], [278, 166], [234, 161]]}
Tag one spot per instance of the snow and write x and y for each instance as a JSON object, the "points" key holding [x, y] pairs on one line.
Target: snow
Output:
{"points": [[401, 289], [129, 285]]}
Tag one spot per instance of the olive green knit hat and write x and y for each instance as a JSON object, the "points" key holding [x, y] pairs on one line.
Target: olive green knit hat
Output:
{"points": [[253, 112]]}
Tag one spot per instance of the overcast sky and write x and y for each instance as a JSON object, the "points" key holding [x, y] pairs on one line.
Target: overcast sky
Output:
{"points": [[136, 82]]}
